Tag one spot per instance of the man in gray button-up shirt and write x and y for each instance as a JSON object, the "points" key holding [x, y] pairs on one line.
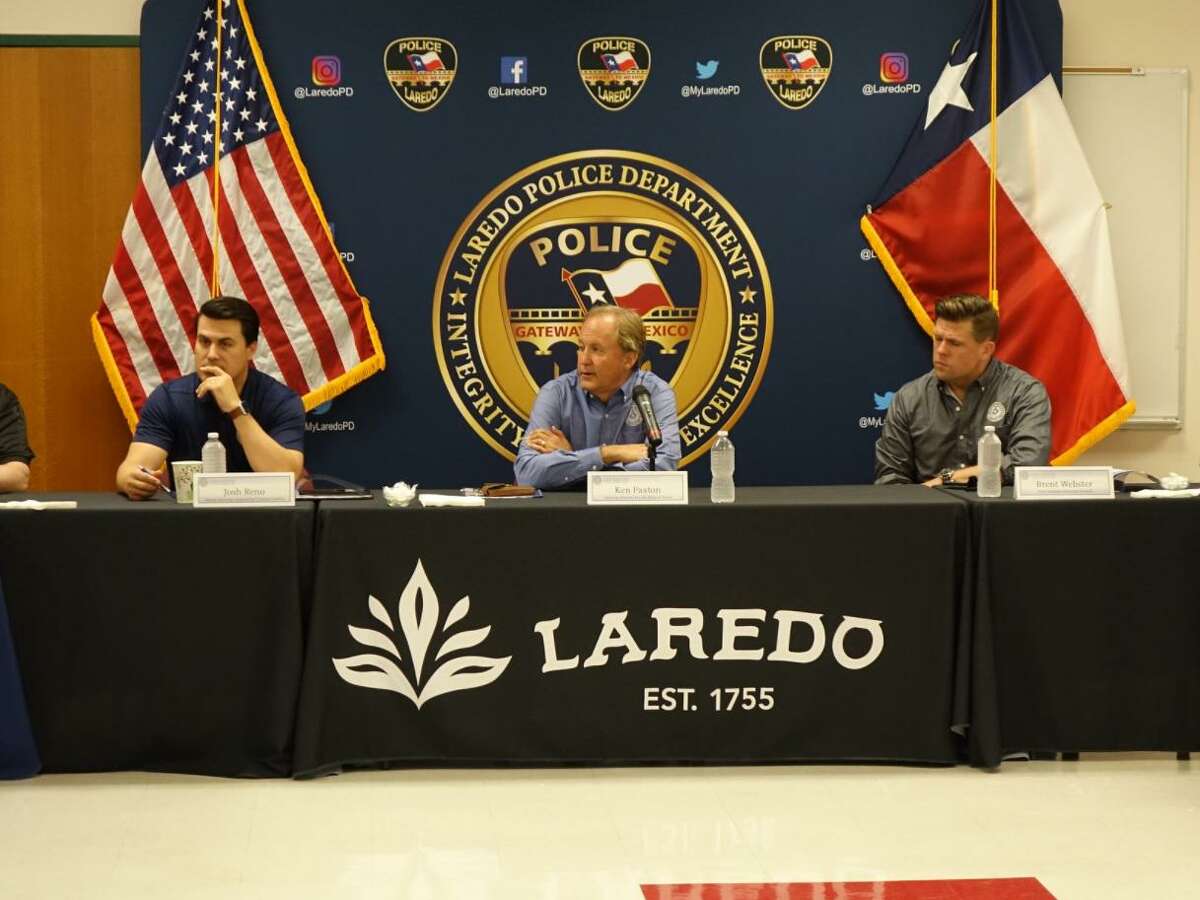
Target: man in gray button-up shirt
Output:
{"points": [[934, 424]]}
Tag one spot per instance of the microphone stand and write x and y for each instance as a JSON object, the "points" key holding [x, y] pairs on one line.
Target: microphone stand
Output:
{"points": [[651, 453]]}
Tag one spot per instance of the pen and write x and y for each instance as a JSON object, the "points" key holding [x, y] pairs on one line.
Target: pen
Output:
{"points": [[155, 477]]}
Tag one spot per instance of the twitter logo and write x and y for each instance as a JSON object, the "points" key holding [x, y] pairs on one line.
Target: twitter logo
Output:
{"points": [[707, 70], [884, 401]]}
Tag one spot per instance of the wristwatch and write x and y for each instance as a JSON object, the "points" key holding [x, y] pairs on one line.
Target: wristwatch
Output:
{"points": [[237, 412], [947, 476]]}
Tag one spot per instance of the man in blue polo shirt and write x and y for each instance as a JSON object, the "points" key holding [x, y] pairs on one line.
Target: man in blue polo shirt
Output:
{"points": [[586, 419], [259, 420]]}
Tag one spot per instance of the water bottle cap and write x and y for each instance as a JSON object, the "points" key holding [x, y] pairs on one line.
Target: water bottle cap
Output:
{"points": [[213, 436]]}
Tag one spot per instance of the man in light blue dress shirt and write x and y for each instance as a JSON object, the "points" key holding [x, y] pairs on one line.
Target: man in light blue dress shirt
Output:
{"points": [[586, 420]]}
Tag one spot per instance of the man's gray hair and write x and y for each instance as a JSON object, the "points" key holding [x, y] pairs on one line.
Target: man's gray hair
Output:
{"points": [[631, 333]]}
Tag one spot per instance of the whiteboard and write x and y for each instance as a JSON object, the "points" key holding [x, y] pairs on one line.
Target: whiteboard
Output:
{"points": [[1134, 130]]}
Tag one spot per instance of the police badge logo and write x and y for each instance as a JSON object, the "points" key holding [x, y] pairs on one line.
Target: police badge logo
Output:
{"points": [[591, 228], [614, 69], [634, 417], [420, 70], [795, 68], [996, 412]]}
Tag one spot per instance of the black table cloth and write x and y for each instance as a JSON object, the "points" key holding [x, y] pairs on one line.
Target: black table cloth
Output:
{"points": [[156, 636], [1086, 626], [619, 635]]}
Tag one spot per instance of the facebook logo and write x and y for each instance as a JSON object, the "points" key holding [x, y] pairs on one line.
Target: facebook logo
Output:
{"points": [[514, 70]]}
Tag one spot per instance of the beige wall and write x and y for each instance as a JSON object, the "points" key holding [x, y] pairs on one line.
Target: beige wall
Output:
{"points": [[1096, 32], [64, 189], [70, 16], [1151, 33]]}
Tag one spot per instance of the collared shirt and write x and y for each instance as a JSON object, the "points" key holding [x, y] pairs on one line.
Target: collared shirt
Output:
{"points": [[588, 423], [175, 420], [928, 429], [14, 445]]}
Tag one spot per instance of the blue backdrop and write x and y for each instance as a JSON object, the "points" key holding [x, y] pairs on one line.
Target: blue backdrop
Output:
{"points": [[398, 184]]}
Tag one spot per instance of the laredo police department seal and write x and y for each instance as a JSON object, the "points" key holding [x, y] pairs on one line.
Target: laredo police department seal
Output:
{"points": [[614, 69], [795, 68], [602, 227], [420, 70]]}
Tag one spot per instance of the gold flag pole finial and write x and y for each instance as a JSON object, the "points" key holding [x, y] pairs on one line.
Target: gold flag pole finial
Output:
{"points": [[993, 272], [215, 287]]}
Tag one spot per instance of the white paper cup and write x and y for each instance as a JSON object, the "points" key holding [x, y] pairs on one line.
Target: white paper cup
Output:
{"points": [[181, 473]]}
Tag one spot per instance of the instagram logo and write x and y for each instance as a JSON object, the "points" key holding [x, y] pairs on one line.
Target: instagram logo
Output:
{"points": [[327, 71], [893, 68]]}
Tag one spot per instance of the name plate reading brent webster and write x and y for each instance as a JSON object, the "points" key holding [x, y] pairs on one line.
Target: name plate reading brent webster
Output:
{"points": [[1062, 482], [244, 489], [637, 488]]}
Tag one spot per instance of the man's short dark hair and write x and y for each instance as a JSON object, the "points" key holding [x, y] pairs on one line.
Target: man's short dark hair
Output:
{"points": [[226, 308], [985, 323]]}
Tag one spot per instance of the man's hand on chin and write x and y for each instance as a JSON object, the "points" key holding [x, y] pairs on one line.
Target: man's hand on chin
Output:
{"points": [[216, 381]]}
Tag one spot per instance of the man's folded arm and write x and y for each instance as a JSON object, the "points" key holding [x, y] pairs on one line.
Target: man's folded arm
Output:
{"points": [[281, 449], [894, 456], [14, 476], [558, 468]]}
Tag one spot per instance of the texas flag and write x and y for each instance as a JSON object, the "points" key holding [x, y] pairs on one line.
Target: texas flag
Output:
{"points": [[618, 62], [805, 59], [1059, 317], [632, 285], [425, 62]]}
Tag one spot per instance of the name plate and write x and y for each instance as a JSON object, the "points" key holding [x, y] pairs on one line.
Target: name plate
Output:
{"points": [[1062, 482], [637, 488], [244, 489]]}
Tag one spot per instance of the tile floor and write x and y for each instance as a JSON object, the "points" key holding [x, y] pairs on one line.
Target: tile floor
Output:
{"points": [[1124, 826]]}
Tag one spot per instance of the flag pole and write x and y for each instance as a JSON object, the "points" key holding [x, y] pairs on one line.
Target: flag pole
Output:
{"points": [[567, 276], [993, 275], [215, 288]]}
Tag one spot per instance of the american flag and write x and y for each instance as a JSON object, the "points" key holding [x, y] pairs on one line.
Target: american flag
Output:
{"points": [[275, 247]]}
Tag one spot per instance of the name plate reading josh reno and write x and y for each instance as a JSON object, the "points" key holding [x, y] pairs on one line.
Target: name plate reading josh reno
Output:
{"points": [[637, 488], [1062, 482], [244, 489]]}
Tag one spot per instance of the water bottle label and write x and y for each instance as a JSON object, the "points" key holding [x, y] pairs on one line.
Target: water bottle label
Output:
{"points": [[996, 412]]}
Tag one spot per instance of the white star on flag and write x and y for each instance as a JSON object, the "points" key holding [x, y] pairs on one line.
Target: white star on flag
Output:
{"points": [[948, 91]]}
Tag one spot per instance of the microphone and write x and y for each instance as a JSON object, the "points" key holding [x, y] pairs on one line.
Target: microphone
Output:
{"points": [[641, 397]]}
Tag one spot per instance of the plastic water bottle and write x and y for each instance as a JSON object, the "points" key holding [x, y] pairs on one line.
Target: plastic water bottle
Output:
{"points": [[721, 458], [988, 483], [212, 455]]}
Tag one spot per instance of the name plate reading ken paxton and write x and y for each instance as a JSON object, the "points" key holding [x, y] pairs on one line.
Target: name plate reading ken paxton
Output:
{"points": [[637, 489], [244, 489], [1062, 482]]}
